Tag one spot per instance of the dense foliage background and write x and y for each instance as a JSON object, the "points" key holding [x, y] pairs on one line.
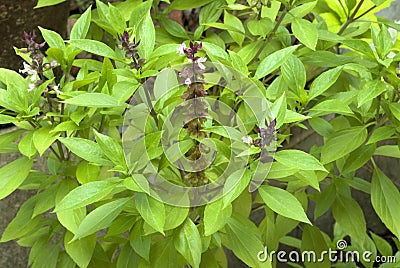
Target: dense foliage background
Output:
{"points": [[326, 67]]}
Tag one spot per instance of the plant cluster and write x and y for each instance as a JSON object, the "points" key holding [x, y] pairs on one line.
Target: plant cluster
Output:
{"points": [[330, 68]]}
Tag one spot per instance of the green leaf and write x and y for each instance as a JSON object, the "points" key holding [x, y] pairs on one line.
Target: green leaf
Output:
{"points": [[176, 216], [244, 239], [388, 150], [248, 52], [385, 198], [283, 203], [45, 3], [358, 158], [86, 172], [360, 46], [395, 109], [100, 218], [370, 90], [216, 216], [146, 35], [128, 258], [87, 194], [278, 109], [22, 223], [294, 74], [98, 100], [25, 145], [381, 133], [5, 119], [174, 28], [321, 126], [139, 242], [162, 254], [298, 159], [260, 27], [330, 106], [324, 81], [273, 61], [72, 218], [52, 38], [382, 245], [111, 148], [236, 23], [13, 175], [306, 32], [342, 143], [349, 215], [187, 242], [94, 47], [81, 26], [184, 4], [313, 241], [81, 250], [86, 149], [151, 210], [216, 51], [43, 139], [116, 19], [382, 41], [292, 116], [237, 63]]}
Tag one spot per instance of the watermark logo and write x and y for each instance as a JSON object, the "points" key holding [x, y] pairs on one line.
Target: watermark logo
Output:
{"points": [[162, 152], [339, 255]]}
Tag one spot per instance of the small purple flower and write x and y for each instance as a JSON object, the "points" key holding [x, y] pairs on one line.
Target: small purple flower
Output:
{"points": [[130, 50], [266, 135], [398, 71]]}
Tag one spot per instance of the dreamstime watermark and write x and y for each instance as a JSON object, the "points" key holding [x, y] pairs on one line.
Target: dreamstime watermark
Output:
{"points": [[333, 256]]}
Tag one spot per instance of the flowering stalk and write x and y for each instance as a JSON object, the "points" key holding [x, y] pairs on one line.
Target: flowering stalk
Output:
{"points": [[193, 77], [130, 50], [37, 67], [266, 135]]}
